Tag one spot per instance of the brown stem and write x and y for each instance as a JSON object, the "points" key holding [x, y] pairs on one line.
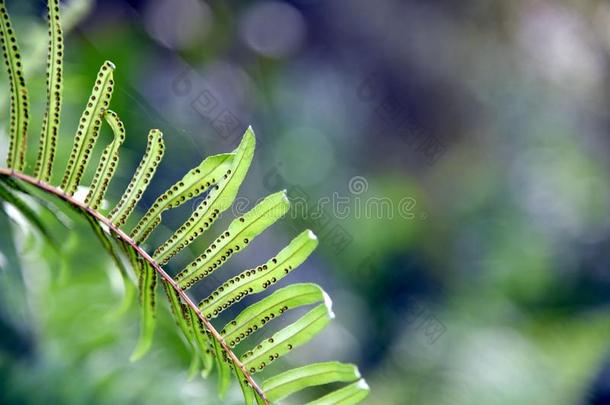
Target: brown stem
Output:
{"points": [[166, 277]]}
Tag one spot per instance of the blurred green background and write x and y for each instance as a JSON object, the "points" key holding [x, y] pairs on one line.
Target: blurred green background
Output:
{"points": [[453, 158]]}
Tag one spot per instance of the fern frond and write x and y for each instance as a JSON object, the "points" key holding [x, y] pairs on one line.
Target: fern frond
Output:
{"points": [[19, 116], [220, 178], [219, 198], [194, 183], [241, 232], [50, 122], [108, 162], [141, 178], [89, 128]]}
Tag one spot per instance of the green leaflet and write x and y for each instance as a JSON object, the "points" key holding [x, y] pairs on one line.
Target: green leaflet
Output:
{"points": [[195, 182], [219, 198], [287, 383], [41, 198], [29, 214], [260, 278], [147, 282], [294, 335], [108, 162], [241, 232], [89, 128], [351, 394], [50, 122], [257, 315], [144, 173], [19, 94], [106, 242]]}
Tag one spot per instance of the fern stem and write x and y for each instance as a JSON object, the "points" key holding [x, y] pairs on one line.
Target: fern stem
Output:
{"points": [[166, 277]]}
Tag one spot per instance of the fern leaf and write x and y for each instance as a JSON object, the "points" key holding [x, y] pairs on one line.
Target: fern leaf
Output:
{"points": [[141, 178], [294, 335], [289, 382], [50, 122], [195, 182], [351, 394], [241, 232], [219, 198], [260, 278], [107, 243], [24, 209], [147, 282], [19, 94], [108, 162], [257, 315], [89, 128]]}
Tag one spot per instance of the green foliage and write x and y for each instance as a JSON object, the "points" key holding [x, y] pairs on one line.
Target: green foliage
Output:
{"points": [[89, 128], [241, 232], [108, 162], [11, 197], [216, 201], [352, 394], [147, 282], [287, 383], [257, 315], [194, 183], [50, 122], [19, 116], [141, 178], [292, 336], [262, 277], [218, 176]]}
